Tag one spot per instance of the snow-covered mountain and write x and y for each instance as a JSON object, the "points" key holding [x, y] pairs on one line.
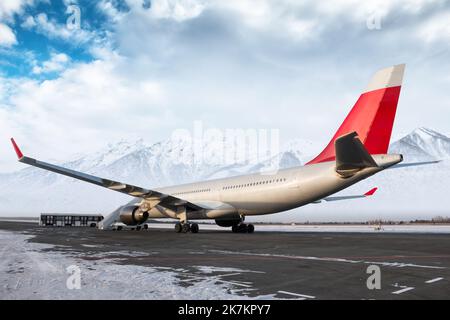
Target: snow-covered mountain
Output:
{"points": [[32, 190], [423, 144], [175, 161]]}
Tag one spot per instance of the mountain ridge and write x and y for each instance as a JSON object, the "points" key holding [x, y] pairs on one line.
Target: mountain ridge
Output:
{"points": [[171, 162]]}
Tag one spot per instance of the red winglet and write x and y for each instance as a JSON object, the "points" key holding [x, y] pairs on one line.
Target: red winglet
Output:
{"points": [[371, 192], [16, 148]]}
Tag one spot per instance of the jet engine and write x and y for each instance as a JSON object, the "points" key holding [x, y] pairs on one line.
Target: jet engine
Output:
{"points": [[131, 215]]}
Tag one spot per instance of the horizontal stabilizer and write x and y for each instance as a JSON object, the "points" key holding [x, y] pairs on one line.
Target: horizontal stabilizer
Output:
{"points": [[365, 195], [414, 164], [351, 155], [371, 192]]}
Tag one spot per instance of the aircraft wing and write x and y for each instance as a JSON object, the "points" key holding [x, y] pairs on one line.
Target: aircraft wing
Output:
{"points": [[365, 195], [162, 199]]}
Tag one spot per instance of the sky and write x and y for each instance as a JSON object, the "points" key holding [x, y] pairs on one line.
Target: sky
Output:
{"points": [[77, 74]]}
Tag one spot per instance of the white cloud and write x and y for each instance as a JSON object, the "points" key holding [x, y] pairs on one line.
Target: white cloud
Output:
{"points": [[57, 62], [436, 28], [8, 8], [52, 29], [178, 10], [7, 36], [109, 9], [281, 64], [94, 102], [28, 23]]}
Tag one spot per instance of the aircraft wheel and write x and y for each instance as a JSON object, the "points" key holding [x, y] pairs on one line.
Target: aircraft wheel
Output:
{"points": [[243, 228], [178, 227], [185, 228], [119, 228], [250, 228], [145, 226], [235, 228], [194, 228]]}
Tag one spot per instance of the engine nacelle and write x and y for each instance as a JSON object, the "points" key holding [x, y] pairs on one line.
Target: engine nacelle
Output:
{"points": [[132, 216]]}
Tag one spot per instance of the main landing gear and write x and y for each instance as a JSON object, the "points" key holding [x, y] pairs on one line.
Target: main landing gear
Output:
{"points": [[186, 227], [243, 228]]}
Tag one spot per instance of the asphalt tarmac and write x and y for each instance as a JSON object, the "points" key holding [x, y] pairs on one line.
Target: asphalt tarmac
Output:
{"points": [[288, 265]]}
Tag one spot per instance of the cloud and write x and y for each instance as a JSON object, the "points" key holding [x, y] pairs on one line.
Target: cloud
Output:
{"points": [[435, 29], [296, 66], [57, 62], [108, 7], [54, 30], [90, 101], [7, 36], [9, 8], [28, 23], [177, 10]]}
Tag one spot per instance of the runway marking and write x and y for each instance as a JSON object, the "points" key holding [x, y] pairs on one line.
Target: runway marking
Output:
{"points": [[399, 256], [230, 274], [193, 277], [329, 259], [297, 294], [235, 283], [434, 280], [403, 290]]}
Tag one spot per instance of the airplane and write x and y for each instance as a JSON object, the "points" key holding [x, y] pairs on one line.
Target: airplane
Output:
{"points": [[357, 151]]}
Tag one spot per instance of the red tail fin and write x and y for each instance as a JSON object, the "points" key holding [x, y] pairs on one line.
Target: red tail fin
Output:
{"points": [[373, 115]]}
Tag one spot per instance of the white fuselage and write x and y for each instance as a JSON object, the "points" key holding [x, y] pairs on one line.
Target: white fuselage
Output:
{"points": [[258, 194]]}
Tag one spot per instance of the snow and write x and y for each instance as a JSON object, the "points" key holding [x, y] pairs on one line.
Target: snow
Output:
{"points": [[404, 194], [32, 190], [419, 228], [358, 228], [28, 272], [423, 144], [209, 269]]}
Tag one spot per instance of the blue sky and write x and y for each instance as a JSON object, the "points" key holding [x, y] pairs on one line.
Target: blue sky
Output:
{"points": [[34, 45], [137, 68]]}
